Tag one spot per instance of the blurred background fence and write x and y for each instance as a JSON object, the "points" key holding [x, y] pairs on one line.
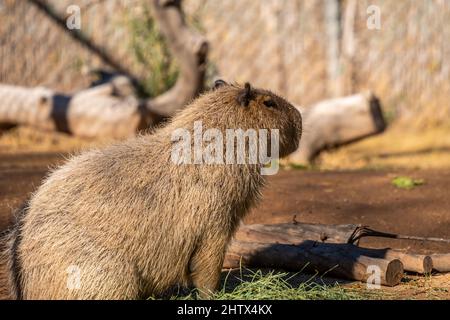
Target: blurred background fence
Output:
{"points": [[306, 50]]}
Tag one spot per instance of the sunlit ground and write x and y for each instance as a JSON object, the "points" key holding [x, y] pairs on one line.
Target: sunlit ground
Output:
{"points": [[27, 139], [396, 148]]}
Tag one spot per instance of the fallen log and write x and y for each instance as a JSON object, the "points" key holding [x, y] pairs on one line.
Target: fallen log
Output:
{"points": [[350, 233], [297, 233], [294, 233], [340, 260], [337, 122], [417, 263], [92, 113], [101, 112], [441, 262]]}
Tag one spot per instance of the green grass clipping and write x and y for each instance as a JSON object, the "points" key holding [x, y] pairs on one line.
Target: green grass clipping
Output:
{"points": [[407, 182]]}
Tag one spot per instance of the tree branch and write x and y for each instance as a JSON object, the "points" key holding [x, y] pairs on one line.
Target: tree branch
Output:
{"points": [[189, 48]]}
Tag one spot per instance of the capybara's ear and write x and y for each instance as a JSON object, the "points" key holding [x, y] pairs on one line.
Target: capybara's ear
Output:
{"points": [[246, 95], [219, 83]]}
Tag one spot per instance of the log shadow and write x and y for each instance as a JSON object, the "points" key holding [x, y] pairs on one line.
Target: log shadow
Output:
{"points": [[340, 260]]}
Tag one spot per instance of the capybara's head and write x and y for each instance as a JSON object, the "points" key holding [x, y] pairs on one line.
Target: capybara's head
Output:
{"points": [[231, 106]]}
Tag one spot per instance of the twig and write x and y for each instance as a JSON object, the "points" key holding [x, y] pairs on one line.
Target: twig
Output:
{"points": [[363, 231]]}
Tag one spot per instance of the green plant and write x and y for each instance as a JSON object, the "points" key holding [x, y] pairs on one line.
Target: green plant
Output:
{"points": [[150, 52], [407, 182]]}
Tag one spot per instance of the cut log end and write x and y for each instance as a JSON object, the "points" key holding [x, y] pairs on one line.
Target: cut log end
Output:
{"points": [[394, 273], [337, 122]]}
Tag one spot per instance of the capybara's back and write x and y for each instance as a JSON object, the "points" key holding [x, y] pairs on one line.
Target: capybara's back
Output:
{"points": [[128, 222]]}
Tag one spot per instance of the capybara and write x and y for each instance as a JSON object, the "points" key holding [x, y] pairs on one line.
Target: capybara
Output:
{"points": [[128, 222]]}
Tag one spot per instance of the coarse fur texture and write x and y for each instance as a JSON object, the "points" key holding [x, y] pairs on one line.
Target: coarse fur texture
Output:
{"points": [[125, 222]]}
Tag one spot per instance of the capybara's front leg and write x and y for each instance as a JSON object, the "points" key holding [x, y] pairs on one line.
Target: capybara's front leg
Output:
{"points": [[206, 266]]}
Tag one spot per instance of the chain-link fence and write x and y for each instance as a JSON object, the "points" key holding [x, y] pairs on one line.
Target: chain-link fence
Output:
{"points": [[34, 50], [407, 61], [291, 46]]}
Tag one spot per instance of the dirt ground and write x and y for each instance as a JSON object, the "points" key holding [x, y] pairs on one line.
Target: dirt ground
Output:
{"points": [[332, 197], [362, 197]]}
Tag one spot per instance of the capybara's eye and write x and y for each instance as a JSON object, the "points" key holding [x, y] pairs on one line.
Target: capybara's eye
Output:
{"points": [[270, 103]]}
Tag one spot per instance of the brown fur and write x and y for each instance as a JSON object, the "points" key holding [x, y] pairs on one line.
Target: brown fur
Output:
{"points": [[135, 223]]}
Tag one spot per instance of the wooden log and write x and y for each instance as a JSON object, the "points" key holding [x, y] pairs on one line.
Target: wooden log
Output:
{"points": [[299, 232], [100, 111], [336, 122], [441, 262], [340, 260], [94, 112], [294, 233], [418, 263]]}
